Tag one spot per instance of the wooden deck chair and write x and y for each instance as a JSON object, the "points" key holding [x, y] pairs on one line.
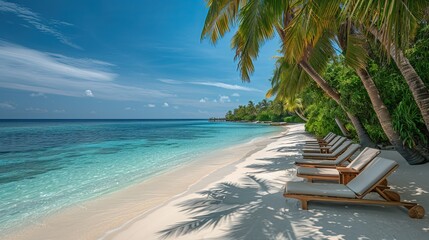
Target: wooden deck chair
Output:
{"points": [[325, 149], [323, 141], [327, 163], [328, 143], [329, 156], [340, 174], [355, 191], [318, 142]]}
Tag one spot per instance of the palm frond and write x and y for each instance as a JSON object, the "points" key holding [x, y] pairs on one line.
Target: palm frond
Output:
{"points": [[221, 16]]}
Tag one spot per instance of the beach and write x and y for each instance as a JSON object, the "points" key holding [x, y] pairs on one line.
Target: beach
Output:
{"points": [[236, 193], [95, 218]]}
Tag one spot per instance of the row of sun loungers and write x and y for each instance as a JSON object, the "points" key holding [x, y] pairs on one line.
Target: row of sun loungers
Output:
{"points": [[331, 159]]}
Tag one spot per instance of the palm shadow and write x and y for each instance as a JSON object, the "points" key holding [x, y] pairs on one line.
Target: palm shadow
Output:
{"points": [[256, 211], [274, 164]]}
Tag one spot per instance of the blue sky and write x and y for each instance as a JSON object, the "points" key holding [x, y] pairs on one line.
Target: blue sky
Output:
{"points": [[119, 59]]}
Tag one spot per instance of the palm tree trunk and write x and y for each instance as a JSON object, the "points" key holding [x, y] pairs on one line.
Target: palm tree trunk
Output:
{"points": [[418, 89], [385, 120], [341, 126], [364, 139], [301, 116]]}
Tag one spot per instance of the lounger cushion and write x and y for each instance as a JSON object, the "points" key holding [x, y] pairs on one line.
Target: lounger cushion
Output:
{"points": [[317, 171], [319, 189], [353, 148], [332, 146], [373, 173], [334, 154], [366, 156], [318, 162]]}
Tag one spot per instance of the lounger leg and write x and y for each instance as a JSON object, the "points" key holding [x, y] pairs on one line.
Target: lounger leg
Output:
{"points": [[304, 205]]}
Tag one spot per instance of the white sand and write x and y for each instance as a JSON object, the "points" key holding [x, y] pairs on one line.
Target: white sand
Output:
{"points": [[237, 194], [244, 201]]}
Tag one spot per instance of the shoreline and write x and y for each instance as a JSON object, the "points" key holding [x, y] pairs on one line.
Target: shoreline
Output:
{"points": [[97, 217]]}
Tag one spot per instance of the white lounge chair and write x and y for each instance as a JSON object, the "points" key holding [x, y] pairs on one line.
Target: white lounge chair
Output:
{"points": [[341, 174], [355, 191]]}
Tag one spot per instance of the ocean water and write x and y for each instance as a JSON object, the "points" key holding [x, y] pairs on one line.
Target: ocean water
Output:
{"points": [[47, 165]]}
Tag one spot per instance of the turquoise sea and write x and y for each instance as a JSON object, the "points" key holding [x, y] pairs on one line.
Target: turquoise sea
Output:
{"points": [[47, 165]]}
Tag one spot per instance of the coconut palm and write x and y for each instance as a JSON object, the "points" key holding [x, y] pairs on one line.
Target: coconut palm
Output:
{"points": [[259, 20], [393, 23], [353, 44]]}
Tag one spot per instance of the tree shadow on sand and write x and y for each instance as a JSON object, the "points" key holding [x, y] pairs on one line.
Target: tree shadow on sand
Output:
{"points": [[250, 210], [274, 164], [254, 210]]}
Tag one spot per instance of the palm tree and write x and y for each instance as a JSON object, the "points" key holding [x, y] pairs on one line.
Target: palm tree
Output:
{"points": [[352, 43], [258, 20], [393, 23]]}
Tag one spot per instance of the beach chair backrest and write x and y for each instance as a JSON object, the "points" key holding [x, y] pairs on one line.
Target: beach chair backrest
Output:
{"points": [[334, 140], [374, 173], [330, 137], [327, 135], [342, 147], [364, 157], [338, 143], [347, 154]]}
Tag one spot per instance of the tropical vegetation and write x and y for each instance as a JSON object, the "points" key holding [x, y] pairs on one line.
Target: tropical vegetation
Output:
{"points": [[266, 111], [344, 59]]}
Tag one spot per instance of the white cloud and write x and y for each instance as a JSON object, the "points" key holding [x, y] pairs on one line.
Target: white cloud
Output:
{"points": [[89, 93], [214, 100], [235, 95], [39, 110], [129, 109], [5, 105], [166, 104], [224, 99], [59, 111], [37, 95], [203, 100], [37, 21], [151, 105], [176, 107], [48, 73], [227, 86], [169, 81]]}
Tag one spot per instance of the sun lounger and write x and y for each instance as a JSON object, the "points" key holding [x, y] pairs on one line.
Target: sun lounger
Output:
{"points": [[329, 156], [341, 174], [328, 143], [330, 134], [326, 163], [325, 149], [322, 142], [354, 192]]}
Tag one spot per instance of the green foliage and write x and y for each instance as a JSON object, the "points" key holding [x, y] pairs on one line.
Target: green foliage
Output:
{"points": [[408, 122], [321, 112], [263, 111], [419, 54], [396, 95], [263, 116], [292, 119], [394, 91]]}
